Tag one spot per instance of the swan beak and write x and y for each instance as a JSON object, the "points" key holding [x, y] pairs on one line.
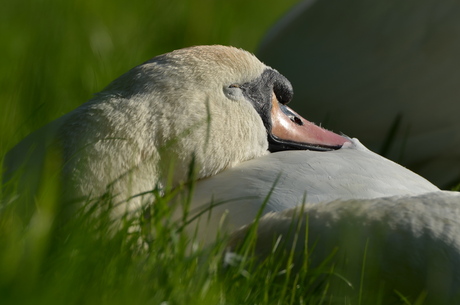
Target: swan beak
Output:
{"points": [[290, 131]]}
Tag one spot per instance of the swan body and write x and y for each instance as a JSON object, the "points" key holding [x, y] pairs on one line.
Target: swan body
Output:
{"points": [[288, 179], [219, 115]]}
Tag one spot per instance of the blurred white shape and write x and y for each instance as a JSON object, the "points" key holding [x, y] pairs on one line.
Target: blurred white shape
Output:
{"points": [[386, 72]]}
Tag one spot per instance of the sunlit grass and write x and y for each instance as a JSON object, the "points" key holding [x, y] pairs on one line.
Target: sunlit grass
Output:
{"points": [[52, 258], [55, 254], [55, 55]]}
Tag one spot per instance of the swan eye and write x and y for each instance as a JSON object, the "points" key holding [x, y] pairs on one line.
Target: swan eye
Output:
{"points": [[234, 92]]}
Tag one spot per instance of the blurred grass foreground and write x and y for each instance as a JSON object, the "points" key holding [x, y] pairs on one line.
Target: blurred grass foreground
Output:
{"points": [[54, 56]]}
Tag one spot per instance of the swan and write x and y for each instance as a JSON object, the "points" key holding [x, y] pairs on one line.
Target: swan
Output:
{"points": [[215, 105], [223, 111], [394, 61]]}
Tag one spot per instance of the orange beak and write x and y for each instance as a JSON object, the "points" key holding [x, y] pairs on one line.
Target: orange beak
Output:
{"points": [[291, 131]]}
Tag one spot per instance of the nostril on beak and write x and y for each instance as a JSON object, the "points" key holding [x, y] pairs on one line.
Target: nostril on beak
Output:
{"points": [[296, 120]]}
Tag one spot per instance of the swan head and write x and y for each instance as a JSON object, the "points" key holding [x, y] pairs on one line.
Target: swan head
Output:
{"points": [[215, 105]]}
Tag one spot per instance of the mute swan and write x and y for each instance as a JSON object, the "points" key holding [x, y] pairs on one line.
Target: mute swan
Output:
{"points": [[216, 105], [395, 61], [221, 107], [226, 111]]}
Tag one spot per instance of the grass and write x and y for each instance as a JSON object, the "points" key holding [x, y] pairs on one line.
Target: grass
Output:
{"points": [[55, 55], [83, 260], [50, 258]]}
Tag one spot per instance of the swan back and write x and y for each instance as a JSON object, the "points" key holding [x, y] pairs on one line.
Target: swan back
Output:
{"points": [[291, 178]]}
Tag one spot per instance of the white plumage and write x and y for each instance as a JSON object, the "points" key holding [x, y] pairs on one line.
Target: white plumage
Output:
{"points": [[352, 172]]}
